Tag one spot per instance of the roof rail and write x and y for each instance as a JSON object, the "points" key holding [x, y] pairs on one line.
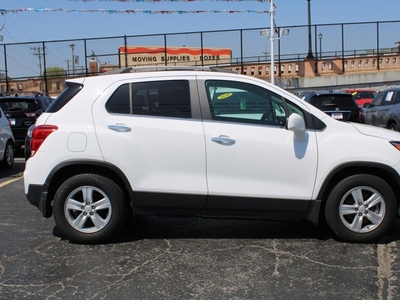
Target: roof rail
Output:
{"points": [[167, 68]]}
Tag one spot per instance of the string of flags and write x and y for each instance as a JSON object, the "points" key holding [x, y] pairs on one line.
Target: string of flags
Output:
{"points": [[128, 11], [156, 1], [137, 11]]}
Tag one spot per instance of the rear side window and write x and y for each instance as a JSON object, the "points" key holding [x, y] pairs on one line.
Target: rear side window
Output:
{"points": [[156, 98]]}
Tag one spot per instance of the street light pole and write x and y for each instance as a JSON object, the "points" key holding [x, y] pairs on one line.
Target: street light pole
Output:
{"points": [[271, 37], [310, 54], [320, 45]]}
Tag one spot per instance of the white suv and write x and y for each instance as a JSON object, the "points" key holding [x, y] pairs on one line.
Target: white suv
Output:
{"points": [[7, 142], [199, 141]]}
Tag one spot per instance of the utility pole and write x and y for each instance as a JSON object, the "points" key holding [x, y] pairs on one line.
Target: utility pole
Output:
{"points": [[73, 58], [37, 51]]}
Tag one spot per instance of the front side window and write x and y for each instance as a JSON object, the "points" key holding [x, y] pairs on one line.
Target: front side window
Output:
{"points": [[155, 98], [383, 98], [247, 103]]}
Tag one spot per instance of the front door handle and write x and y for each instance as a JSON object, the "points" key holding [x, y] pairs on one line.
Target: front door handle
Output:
{"points": [[119, 128], [223, 140]]}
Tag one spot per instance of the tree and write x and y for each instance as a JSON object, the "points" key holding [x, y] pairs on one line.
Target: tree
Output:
{"points": [[55, 71]]}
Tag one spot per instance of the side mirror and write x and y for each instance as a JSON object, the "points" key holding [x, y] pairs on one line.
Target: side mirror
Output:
{"points": [[367, 105], [296, 124]]}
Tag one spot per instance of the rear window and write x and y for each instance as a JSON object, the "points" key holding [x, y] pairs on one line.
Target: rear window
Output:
{"points": [[322, 101], [68, 93], [15, 104]]}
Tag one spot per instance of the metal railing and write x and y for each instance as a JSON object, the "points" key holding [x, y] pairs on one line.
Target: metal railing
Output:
{"points": [[46, 61]]}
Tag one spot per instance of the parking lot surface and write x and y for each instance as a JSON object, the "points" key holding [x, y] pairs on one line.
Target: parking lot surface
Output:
{"points": [[187, 258]]}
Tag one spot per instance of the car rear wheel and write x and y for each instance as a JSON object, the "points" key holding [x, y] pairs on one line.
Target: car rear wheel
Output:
{"points": [[361, 208], [89, 208], [8, 159]]}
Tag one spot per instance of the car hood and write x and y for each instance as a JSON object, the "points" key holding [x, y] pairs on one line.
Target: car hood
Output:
{"points": [[377, 132]]}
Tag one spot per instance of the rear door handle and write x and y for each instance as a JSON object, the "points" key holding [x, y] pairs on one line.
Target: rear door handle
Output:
{"points": [[223, 140], [119, 128]]}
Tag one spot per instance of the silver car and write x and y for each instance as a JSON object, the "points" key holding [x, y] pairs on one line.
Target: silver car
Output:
{"points": [[384, 110], [7, 142]]}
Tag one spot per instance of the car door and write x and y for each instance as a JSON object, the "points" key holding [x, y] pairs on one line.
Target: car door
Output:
{"points": [[253, 161], [149, 130], [379, 108]]}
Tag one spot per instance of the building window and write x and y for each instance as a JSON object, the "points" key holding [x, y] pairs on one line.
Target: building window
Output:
{"points": [[289, 68], [282, 69], [323, 66], [387, 62], [237, 70], [266, 70], [352, 64], [274, 69], [297, 68], [345, 64], [373, 63], [252, 71], [380, 63], [359, 64], [366, 63], [330, 66], [259, 71], [244, 71], [394, 62]]}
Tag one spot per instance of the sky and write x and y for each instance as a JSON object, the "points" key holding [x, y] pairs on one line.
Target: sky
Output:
{"points": [[54, 25], [66, 20]]}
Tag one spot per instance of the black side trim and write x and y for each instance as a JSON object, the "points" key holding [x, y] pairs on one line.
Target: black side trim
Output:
{"points": [[174, 201], [256, 204]]}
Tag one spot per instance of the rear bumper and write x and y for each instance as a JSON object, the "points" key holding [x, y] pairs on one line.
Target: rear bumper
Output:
{"points": [[37, 196]]}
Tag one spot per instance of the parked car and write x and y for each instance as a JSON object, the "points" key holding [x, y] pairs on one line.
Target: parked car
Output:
{"points": [[22, 111], [339, 105], [362, 96], [6, 142], [384, 111], [28, 138], [195, 141]]}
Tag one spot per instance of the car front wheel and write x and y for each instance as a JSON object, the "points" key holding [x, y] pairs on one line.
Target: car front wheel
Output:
{"points": [[394, 127], [89, 208], [361, 208]]}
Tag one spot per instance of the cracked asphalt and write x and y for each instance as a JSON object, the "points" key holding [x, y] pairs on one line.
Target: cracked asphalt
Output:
{"points": [[187, 258]]}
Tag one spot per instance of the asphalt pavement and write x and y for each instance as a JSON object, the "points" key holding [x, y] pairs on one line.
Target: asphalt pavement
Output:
{"points": [[187, 258]]}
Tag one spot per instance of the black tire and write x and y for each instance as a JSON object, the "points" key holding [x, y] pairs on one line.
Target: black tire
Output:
{"points": [[9, 154], [394, 127], [77, 213], [350, 218]]}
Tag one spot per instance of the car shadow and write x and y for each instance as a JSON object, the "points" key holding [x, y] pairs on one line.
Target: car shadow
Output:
{"points": [[156, 227]]}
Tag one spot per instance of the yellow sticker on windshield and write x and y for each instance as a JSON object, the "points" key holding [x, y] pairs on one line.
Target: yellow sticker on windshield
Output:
{"points": [[224, 96]]}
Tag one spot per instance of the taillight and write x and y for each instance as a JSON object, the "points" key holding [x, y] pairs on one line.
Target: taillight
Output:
{"points": [[39, 134], [361, 116]]}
